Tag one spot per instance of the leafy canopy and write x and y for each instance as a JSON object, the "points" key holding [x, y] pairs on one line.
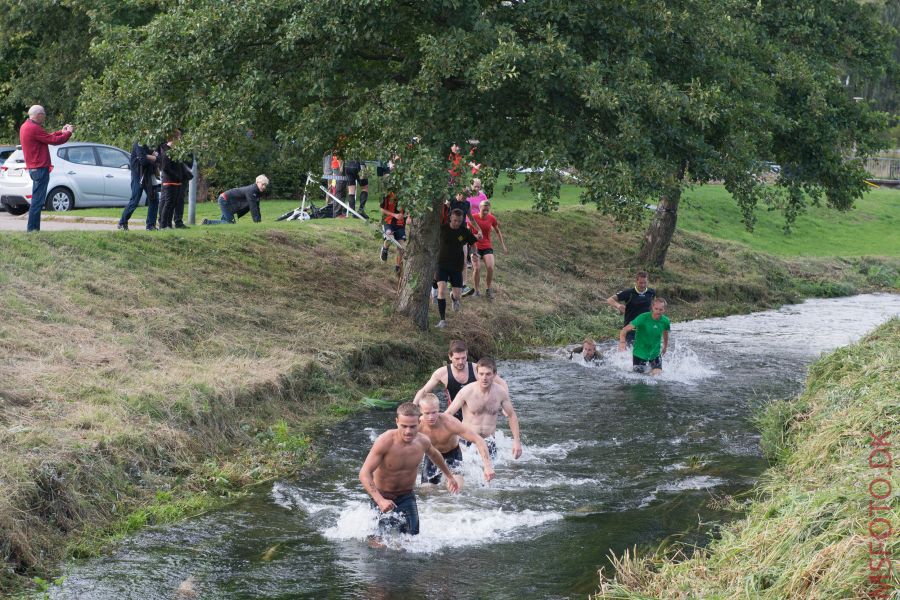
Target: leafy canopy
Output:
{"points": [[631, 94]]}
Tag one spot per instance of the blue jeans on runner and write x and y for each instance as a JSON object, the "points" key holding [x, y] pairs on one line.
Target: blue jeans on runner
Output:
{"points": [[226, 219], [40, 178]]}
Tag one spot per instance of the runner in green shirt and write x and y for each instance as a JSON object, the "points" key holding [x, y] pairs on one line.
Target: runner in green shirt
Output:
{"points": [[651, 331]]}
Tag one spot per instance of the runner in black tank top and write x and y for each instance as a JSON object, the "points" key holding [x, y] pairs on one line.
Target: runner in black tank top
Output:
{"points": [[453, 386]]}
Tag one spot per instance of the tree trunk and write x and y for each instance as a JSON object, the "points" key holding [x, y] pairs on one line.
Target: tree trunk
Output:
{"points": [[419, 263], [659, 234]]}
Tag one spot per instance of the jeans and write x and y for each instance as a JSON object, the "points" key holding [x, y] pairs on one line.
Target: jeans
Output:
{"points": [[152, 206], [136, 191], [40, 178], [226, 218]]}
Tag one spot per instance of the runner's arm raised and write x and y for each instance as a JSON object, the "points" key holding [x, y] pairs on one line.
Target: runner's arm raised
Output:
{"points": [[466, 433], [614, 302], [436, 378], [441, 464], [510, 412], [367, 474]]}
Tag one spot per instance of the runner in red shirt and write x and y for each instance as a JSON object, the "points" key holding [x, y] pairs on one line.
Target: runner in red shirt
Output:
{"points": [[486, 222]]}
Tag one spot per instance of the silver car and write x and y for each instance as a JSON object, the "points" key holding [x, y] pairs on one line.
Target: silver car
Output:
{"points": [[84, 175]]}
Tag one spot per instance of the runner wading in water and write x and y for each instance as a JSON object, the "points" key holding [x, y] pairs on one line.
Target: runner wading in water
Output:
{"points": [[390, 470], [444, 432], [652, 331], [454, 376], [633, 301], [482, 401]]}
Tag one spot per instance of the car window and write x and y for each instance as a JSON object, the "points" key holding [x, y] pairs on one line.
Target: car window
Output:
{"points": [[80, 155], [112, 157]]}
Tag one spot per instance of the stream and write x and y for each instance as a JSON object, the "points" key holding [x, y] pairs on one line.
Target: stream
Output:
{"points": [[611, 459]]}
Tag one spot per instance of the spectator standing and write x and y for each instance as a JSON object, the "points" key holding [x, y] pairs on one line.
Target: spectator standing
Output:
{"points": [[394, 227], [239, 201], [174, 175], [143, 166], [35, 139]]}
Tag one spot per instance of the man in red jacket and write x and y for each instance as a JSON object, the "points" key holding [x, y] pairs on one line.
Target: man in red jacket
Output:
{"points": [[35, 139]]}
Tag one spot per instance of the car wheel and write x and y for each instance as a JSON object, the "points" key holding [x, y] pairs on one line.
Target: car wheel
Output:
{"points": [[17, 210], [60, 199]]}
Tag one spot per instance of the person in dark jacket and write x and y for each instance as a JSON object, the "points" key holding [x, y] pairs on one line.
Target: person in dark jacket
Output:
{"points": [[239, 201], [174, 174], [143, 167]]}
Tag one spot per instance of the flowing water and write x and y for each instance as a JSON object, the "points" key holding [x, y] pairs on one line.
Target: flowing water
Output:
{"points": [[611, 459]]}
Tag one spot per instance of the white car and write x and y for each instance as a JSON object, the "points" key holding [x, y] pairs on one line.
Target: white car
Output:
{"points": [[84, 175]]}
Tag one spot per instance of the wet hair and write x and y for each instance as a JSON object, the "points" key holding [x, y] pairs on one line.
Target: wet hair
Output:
{"points": [[660, 301], [642, 274], [456, 213], [486, 361], [429, 399], [590, 342], [408, 409], [457, 346]]}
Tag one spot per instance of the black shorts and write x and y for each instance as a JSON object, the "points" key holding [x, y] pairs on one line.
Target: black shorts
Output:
{"points": [[485, 251], [489, 442], [352, 175], [399, 231], [432, 474], [640, 365], [454, 277], [404, 518]]}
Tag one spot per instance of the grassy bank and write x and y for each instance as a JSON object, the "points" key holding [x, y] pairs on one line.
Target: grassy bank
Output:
{"points": [[146, 377], [807, 533]]}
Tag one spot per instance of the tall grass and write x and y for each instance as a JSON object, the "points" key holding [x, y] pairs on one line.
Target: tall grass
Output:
{"points": [[806, 534]]}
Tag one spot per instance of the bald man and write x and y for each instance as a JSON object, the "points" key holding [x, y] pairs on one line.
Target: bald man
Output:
{"points": [[35, 139]]}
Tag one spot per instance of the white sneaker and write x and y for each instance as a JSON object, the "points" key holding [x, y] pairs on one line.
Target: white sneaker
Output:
{"points": [[442, 324], [455, 305]]}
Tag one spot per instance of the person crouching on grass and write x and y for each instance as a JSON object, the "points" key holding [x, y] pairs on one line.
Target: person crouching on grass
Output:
{"points": [[238, 201], [484, 249], [651, 331]]}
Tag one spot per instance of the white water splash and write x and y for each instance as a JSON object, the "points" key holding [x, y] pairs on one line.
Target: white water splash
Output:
{"points": [[681, 364], [442, 525]]}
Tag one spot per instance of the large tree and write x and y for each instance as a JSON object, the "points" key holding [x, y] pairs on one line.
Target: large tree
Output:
{"points": [[640, 98]]}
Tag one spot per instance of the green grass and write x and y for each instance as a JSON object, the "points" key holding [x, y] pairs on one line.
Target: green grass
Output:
{"points": [[870, 229], [806, 534]]}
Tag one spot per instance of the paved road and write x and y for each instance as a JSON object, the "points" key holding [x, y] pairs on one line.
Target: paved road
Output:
{"points": [[50, 222]]}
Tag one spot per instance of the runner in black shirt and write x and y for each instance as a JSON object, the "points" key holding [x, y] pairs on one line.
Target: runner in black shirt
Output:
{"points": [[633, 301], [451, 262]]}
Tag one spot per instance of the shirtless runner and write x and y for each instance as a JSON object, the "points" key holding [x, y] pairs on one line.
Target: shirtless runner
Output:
{"points": [[455, 375], [481, 402], [389, 471], [444, 432]]}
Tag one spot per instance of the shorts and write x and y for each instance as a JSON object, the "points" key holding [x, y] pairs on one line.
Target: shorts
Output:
{"points": [[352, 175], [454, 277], [640, 364], [489, 442], [404, 518], [398, 231], [485, 251], [432, 474]]}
